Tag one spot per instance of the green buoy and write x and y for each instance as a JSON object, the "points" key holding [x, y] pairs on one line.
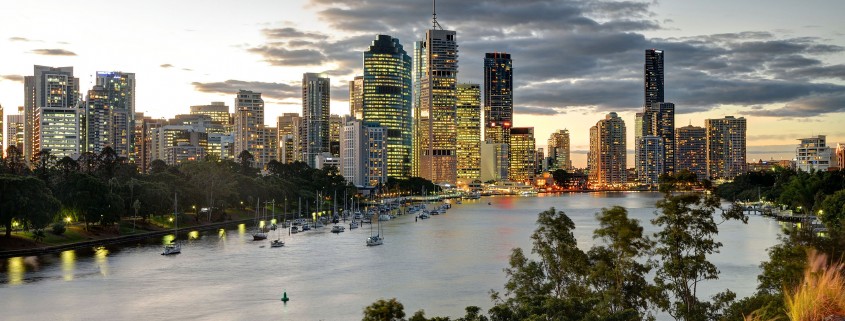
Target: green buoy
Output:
{"points": [[285, 298]]}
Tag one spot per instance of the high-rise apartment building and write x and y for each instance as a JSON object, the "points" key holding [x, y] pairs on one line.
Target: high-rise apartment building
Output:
{"points": [[387, 100], [649, 159], [607, 161], [363, 153], [494, 161], [250, 132], [438, 99], [96, 121], [726, 149], [315, 113], [691, 150], [653, 74], [336, 123], [119, 91], [288, 126], [559, 150], [57, 131], [14, 132], [219, 113], [498, 96], [53, 88], [149, 124], [522, 153], [813, 154], [356, 97], [468, 114]]}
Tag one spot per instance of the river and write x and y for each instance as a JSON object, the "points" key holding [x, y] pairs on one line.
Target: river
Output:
{"points": [[442, 265]]}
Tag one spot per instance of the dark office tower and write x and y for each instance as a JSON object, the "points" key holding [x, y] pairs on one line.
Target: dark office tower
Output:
{"points": [[119, 89], [438, 98], [653, 76], [387, 100], [663, 126], [96, 121], [498, 97], [53, 88], [315, 114]]}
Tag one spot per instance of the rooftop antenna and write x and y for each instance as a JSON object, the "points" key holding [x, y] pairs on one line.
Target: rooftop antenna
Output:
{"points": [[434, 23]]}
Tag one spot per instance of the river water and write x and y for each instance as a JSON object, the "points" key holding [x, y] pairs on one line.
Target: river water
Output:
{"points": [[442, 265]]}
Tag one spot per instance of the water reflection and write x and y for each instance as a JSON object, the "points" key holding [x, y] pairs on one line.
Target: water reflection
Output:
{"points": [[101, 257], [16, 270], [193, 235], [221, 234], [241, 229], [167, 239], [68, 264]]}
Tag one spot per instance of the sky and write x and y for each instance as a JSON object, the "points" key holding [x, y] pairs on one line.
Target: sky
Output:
{"points": [[778, 63]]}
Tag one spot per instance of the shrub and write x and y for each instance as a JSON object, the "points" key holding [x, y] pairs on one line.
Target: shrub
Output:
{"points": [[58, 228]]}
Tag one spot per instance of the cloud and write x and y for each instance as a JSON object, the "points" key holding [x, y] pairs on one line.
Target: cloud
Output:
{"points": [[166, 66], [16, 78], [53, 52], [21, 39], [526, 110], [271, 90]]}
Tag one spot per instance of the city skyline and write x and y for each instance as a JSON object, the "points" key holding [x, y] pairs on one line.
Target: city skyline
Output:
{"points": [[750, 67]]}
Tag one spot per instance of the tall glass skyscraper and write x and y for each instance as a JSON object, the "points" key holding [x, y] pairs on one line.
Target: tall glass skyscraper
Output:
{"points": [[315, 114], [119, 89], [438, 98], [48, 87], [498, 97], [469, 131], [653, 71], [387, 101]]}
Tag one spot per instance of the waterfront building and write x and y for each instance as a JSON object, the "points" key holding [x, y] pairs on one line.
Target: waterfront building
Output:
{"points": [[649, 160], [663, 126], [494, 161], [840, 154], [363, 149], [249, 130], [691, 148], [14, 131], [559, 151], [387, 100], [149, 125], [438, 99], [219, 113], [498, 96], [726, 147], [653, 75], [813, 154], [607, 161], [288, 127], [522, 154], [356, 97], [417, 71], [469, 132], [96, 121], [57, 130], [58, 90], [316, 99], [336, 122], [540, 164], [119, 91]]}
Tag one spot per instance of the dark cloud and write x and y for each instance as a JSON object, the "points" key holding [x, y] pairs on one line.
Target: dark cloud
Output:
{"points": [[577, 55], [21, 39], [166, 66], [268, 90], [53, 52], [17, 78], [540, 111]]}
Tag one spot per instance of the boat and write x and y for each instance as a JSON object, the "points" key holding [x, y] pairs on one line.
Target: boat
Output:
{"points": [[384, 217], [338, 229], [424, 215], [278, 241], [259, 233], [294, 229], [353, 225], [318, 224], [306, 227], [374, 240], [174, 247]]}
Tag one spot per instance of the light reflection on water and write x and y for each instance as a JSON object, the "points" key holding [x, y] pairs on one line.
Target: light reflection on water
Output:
{"points": [[442, 265]]}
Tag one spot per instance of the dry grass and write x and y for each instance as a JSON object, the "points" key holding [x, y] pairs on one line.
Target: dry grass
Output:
{"points": [[821, 296]]}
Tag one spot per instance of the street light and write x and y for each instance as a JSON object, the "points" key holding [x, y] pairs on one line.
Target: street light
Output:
{"points": [[67, 220]]}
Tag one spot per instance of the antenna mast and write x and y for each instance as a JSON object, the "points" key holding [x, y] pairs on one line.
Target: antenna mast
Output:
{"points": [[434, 23]]}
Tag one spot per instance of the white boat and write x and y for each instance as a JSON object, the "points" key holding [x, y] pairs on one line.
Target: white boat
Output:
{"points": [[384, 217], [424, 215], [338, 229], [294, 229], [375, 240], [277, 243], [174, 247], [353, 225], [259, 234]]}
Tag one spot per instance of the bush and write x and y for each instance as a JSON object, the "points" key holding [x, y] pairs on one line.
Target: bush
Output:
{"points": [[58, 228]]}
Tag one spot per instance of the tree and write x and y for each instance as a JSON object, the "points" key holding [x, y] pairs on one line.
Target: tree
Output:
{"points": [[561, 177], [384, 310], [14, 162], [158, 166], [685, 240], [25, 199], [833, 209], [247, 162]]}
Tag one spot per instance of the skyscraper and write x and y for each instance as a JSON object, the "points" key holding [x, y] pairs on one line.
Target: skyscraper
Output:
{"points": [[559, 150], [53, 88], [607, 159], [96, 121], [522, 153], [417, 71], [315, 113], [14, 132], [649, 159], [387, 100], [469, 131], [653, 74], [336, 123], [250, 132], [498, 96], [356, 97], [438, 98], [219, 113], [288, 125], [119, 90], [663, 126], [691, 150], [726, 147], [363, 153]]}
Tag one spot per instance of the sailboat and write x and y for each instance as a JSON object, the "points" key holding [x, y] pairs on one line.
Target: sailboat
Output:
{"points": [[374, 240], [174, 247], [259, 233], [278, 242]]}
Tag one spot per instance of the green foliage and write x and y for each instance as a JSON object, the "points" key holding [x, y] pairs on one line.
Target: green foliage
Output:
{"points": [[414, 185], [384, 310], [26, 199], [833, 209], [58, 228]]}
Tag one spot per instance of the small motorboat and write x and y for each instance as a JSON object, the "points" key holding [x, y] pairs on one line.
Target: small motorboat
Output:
{"points": [[277, 243], [338, 229]]}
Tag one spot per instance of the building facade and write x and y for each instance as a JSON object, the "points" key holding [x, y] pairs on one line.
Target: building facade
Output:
{"points": [[649, 160], [607, 158], [250, 132], [498, 96], [522, 154], [49, 87], [559, 151], [438, 99], [219, 113], [14, 132], [494, 161], [726, 149], [363, 149], [57, 131], [813, 154], [469, 131], [653, 75], [316, 99], [119, 90], [691, 150], [356, 97], [288, 127]]}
